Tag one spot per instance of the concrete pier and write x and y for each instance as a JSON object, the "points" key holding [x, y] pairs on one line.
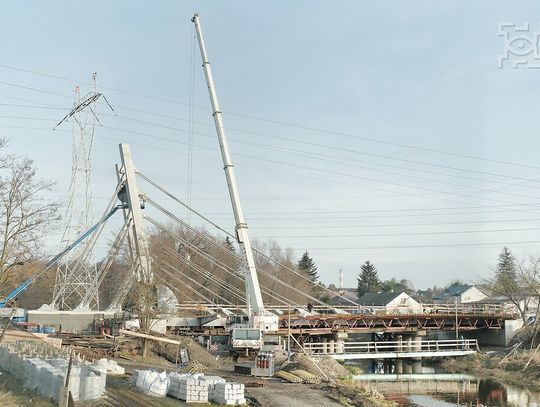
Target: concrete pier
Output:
{"points": [[398, 366]]}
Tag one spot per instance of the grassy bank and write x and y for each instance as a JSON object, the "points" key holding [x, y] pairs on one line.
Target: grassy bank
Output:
{"points": [[350, 393], [510, 370]]}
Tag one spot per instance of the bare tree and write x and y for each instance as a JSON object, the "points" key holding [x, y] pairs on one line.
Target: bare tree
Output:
{"points": [[24, 214], [529, 274]]}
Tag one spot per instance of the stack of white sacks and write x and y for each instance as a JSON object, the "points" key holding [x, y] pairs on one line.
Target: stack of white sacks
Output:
{"points": [[44, 371], [191, 388], [152, 383]]}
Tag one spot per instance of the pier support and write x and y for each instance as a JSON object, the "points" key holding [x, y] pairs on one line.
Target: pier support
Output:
{"points": [[340, 341], [398, 367], [417, 362], [407, 366], [416, 365]]}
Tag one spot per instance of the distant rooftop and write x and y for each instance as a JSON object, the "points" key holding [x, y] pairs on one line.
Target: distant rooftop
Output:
{"points": [[377, 299], [346, 296], [453, 290]]}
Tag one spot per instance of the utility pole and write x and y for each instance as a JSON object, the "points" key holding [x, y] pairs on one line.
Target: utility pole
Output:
{"points": [[455, 303], [262, 319]]}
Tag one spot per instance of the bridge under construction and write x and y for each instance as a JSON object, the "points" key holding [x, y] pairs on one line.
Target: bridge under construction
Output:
{"points": [[222, 273]]}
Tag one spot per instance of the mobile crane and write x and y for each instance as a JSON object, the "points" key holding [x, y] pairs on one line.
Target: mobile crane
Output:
{"points": [[260, 319]]}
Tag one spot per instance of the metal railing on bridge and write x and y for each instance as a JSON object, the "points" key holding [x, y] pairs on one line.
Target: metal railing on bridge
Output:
{"points": [[409, 347], [421, 309]]}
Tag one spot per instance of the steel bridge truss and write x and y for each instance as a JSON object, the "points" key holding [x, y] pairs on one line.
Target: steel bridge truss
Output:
{"points": [[317, 325]]}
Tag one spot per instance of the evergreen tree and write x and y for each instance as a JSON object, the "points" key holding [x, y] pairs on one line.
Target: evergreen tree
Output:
{"points": [[229, 244], [505, 273], [508, 281], [368, 279], [307, 265]]}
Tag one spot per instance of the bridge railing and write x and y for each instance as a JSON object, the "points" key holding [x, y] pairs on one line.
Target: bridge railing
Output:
{"points": [[421, 309], [392, 346]]}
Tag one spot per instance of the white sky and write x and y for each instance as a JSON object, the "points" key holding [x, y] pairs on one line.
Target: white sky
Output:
{"points": [[370, 110]]}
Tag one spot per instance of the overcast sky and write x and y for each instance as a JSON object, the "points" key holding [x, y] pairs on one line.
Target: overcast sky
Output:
{"points": [[379, 131]]}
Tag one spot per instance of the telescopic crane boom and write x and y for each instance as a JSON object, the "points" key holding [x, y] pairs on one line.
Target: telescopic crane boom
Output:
{"points": [[261, 318]]}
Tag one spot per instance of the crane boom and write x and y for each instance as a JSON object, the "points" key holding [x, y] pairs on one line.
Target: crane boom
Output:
{"points": [[262, 319], [12, 296]]}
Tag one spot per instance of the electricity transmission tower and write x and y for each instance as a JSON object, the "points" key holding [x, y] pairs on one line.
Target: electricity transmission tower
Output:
{"points": [[77, 275]]}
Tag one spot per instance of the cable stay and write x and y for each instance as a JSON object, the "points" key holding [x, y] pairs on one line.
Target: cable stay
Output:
{"points": [[193, 266], [226, 284], [264, 272], [200, 215], [184, 284], [171, 267], [222, 266]]}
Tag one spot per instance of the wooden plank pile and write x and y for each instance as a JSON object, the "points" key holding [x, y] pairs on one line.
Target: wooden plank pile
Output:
{"points": [[306, 376], [299, 376]]}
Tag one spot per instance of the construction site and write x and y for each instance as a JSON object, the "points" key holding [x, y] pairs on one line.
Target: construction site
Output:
{"points": [[156, 303], [189, 316]]}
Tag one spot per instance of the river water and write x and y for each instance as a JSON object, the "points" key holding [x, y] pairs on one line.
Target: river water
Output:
{"points": [[431, 389]]}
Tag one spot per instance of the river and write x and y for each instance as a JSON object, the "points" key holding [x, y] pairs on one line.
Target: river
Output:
{"points": [[430, 389]]}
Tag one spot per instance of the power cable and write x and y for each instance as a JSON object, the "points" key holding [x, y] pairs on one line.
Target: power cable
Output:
{"points": [[283, 123], [401, 234]]}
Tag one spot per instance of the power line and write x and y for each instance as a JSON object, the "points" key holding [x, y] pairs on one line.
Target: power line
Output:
{"points": [[15, 85], [32, 107], [326, 146], [312, 169], [394, 225], [283, 123], [452, 232], [426, 246]]}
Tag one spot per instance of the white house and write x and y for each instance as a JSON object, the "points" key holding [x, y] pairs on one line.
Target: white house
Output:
{"points": [[393, 303], [463, 293]]}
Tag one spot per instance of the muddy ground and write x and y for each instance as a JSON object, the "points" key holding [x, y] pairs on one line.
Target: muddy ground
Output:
{"points": [[272, 392]]}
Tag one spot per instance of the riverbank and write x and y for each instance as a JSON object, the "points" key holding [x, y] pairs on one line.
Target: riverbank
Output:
{"points": [[349, 392], [506, 369], [337, 387]]}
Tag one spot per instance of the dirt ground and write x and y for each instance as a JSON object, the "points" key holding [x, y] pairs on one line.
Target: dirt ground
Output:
{"points": [[120, 392], [275, 394]]}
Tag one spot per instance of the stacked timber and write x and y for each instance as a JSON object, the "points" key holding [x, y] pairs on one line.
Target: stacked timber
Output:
{"points": [[291, 378], [307, 377]]}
